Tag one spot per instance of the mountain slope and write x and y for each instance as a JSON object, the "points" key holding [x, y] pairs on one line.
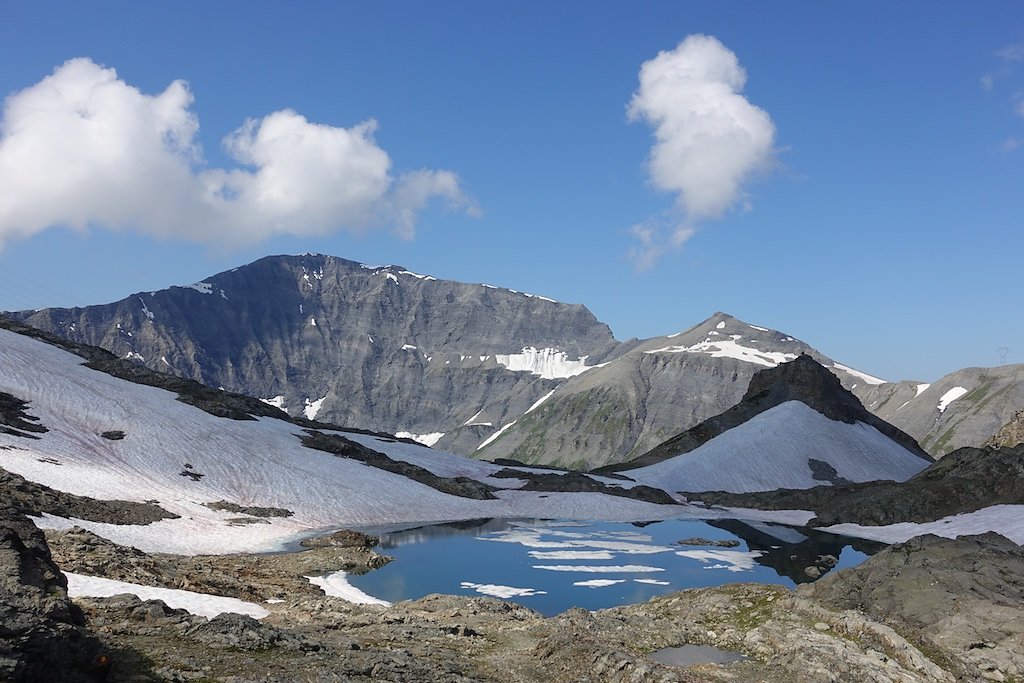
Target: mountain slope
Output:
{"points": [[796, 427], [965, 408], [83, 431], [654, 391], [377, 347]]}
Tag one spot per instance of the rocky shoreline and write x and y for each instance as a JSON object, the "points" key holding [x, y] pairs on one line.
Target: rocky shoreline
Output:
{"points": [[927, 610]]}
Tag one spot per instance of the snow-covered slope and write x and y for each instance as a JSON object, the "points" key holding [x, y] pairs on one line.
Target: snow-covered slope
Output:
{"points": [[774, 450], [182, 457]]}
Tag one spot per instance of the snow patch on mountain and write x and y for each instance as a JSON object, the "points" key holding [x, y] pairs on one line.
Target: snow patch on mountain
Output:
{"points": [[921, 388], [145, 310], [539, 402], [336, 585], [201, 287], [772, 450], [495, 435], [731, 348], [859, 375], [416, 275], [425, 439], [1002, 519], [277, 401], [950, 396], [312, 408], [545, 363]]}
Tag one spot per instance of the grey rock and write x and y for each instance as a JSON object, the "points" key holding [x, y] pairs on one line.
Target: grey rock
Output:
{"points": [[962, 596], [42, 635], [254, 333]]}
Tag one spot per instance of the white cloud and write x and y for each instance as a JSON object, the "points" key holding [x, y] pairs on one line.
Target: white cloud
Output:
{"points": [[1011, 53], [83, 148], [654, 237], [709, 140], [1010, 144], [1009, 56]]}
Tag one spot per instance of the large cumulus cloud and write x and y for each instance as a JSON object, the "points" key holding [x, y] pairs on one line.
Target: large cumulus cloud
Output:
{"points": [[83, 148], [708, 139]]}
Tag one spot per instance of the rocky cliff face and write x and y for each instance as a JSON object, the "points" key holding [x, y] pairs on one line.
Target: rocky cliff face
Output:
{"points": [[374, 347], [42, 637]]}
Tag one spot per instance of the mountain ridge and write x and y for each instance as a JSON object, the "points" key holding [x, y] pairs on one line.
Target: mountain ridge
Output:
{"points": [[482, 370]]}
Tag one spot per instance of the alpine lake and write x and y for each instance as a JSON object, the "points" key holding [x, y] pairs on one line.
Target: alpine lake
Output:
{"points": [[552, 565]]}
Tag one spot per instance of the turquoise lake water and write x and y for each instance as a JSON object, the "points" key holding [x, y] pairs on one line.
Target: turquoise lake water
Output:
{"points": [[551, 565]]}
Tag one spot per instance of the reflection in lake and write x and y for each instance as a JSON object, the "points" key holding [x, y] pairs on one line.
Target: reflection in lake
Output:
{"points": [[553, 565]]}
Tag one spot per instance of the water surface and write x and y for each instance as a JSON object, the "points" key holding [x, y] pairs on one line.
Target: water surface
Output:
{"points": [[551, 566]]}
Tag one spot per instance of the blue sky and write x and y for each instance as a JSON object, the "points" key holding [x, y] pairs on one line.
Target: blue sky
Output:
{"points": [[878, 218]]}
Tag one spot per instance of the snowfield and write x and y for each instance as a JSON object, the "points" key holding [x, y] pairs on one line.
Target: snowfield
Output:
{"points": [[771, 451]]}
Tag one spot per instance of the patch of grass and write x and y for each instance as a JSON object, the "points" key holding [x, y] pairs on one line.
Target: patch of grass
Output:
{"points": [[988, 399], [943, 441]]}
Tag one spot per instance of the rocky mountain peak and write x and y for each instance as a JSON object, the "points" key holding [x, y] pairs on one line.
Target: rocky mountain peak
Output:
{"points": [[803, 379]]}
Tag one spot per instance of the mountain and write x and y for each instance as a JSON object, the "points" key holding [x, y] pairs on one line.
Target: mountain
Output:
{"points": [[480, 370], [380, 348], [796, 427], [651, 392], [964, 408]]}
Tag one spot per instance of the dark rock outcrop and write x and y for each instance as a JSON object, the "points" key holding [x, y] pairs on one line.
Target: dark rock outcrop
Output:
{"points": [[42, 635], [1011, 433], [577, 482], [964, 481], [15, 420], [30, 498], [338, 445]]}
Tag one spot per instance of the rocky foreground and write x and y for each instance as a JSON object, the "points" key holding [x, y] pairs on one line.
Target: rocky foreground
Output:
{"points": [[928, 610]]}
